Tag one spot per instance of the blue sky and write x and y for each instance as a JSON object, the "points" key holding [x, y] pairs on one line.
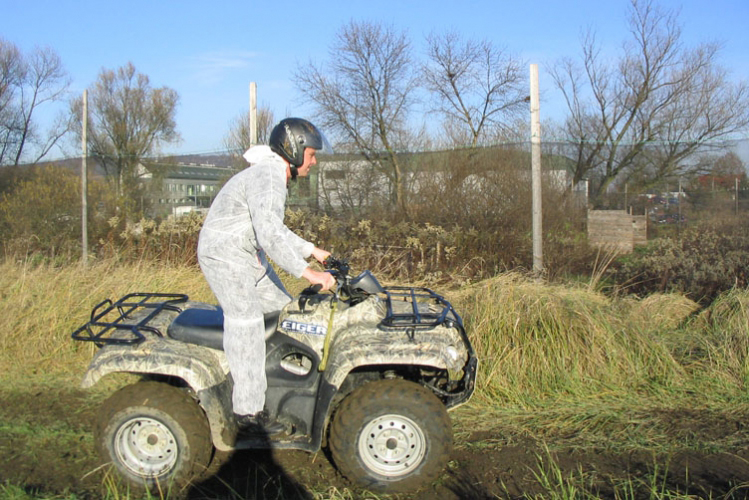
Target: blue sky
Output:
{"points": [[209, 52]]}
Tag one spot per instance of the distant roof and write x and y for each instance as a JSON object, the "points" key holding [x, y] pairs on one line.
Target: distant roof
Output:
{"points": [[207, 172]]}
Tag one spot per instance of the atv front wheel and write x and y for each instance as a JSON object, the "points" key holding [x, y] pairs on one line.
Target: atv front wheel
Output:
{"points": [[155, 435], [391, 436]]}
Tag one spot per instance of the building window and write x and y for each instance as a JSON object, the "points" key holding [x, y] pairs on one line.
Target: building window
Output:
{"points": [[335, 175]]}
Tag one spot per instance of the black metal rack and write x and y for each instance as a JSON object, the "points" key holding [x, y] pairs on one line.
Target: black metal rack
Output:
{"points": [[415, 318], [109, 317]]}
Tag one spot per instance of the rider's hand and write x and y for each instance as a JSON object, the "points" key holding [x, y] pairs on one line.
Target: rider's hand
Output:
{"points": [[326, 280], [320, 255]]}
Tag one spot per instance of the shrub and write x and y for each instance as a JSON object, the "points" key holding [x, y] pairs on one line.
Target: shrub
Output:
{"points": [[705, 261], [468, 221], [173, 240], [41, 213], [435, 253]]}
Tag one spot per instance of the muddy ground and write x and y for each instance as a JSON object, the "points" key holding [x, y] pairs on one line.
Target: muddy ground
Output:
{"points": [[46, 449]]}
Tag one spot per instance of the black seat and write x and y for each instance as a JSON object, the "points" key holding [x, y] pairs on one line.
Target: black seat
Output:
{"points": [[205, 327]]}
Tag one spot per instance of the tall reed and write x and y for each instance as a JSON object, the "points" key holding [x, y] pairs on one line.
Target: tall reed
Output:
{"points": [[542, 342], [40, 305], [537, 343]]}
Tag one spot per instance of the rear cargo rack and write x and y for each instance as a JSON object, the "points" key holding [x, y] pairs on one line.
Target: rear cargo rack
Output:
{"points": [[417, 317], [114, 322]]}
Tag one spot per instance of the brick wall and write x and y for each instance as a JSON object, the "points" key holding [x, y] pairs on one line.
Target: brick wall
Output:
{"points": [[617, 228]]}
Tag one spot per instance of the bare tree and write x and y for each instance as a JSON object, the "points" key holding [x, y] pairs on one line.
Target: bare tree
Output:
{"points": [[11, 78], [46, 82], [26, 84], [350, 186], [729, 164], [237, 139], [364, 94], [480, 89], [129, 121], [653, 108]]}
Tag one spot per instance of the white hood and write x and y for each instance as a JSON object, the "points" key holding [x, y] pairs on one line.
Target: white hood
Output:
{"points": [[256, 154]]}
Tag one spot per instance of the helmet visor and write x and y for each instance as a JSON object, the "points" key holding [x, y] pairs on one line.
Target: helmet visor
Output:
{"points": [[326, 148]]}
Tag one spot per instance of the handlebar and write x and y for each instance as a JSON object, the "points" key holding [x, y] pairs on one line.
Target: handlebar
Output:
{"points": [[350, 289], [340, 265], [339, 268]]}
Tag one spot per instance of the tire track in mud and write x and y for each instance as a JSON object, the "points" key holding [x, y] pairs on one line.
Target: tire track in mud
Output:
{"points": [[46, 447]]}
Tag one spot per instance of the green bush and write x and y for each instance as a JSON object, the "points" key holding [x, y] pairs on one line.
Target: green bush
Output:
{"points": [[173, 240], [704, 261], [40, 213], [449, 253]]}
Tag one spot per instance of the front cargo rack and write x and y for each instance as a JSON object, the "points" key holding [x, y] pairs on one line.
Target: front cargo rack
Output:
{"points": [[115, 322], [423, 308]]}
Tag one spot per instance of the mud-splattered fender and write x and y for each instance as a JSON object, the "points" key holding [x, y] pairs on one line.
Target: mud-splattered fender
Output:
{"points": [[204, 370], [439, 347], [199, 367]]}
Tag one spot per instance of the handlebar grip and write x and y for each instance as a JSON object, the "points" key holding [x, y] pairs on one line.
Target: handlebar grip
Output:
{"points": [[311, 290]]}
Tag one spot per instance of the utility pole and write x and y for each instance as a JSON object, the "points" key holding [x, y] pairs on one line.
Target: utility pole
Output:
{"points": [[538, 254], [736, 182], [678, 211], [84, 183], [253, 113]]}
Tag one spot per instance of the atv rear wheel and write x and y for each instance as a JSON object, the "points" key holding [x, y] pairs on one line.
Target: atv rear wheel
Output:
{"points": [[391, 436], [155, 435]]}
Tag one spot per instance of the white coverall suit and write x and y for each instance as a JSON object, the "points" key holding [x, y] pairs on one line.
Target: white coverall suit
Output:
{"points": [[245, 222]]}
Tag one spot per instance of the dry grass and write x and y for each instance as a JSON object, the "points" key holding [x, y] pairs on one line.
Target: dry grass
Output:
{"points": [[567, 355], [542, 342], [568, 362], [559, 363], [41, 305]]}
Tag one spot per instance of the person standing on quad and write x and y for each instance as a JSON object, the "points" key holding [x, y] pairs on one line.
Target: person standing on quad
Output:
{"points": [[244, 226]]}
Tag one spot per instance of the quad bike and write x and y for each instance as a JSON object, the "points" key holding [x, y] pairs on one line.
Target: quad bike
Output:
{"points": [[366, 370]]}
